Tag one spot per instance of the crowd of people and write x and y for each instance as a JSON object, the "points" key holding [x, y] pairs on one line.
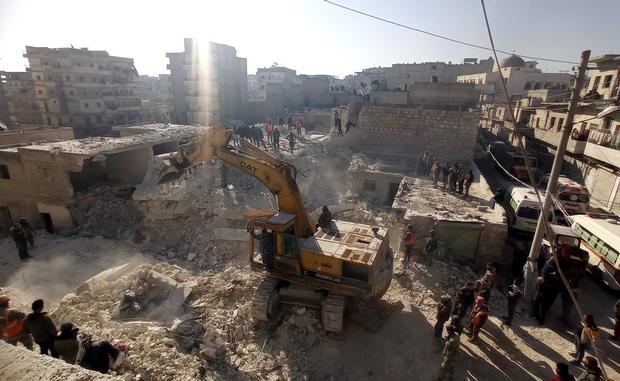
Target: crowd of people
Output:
{"points": [[455, 177], [70, 345], [256, 135]]}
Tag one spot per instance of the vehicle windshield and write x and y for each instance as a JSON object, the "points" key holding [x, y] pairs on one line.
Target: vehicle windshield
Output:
{"points": [[531, 213]]}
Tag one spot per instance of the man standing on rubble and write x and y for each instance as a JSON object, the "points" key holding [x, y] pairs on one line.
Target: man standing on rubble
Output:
{"points": [[430, 247], [408, 241], [21, 241], [42, 328], [28, 230], [445, 171], [276, 139], [291, 140], [513, 296], [444, 308], [269, 129], [325, 219], [450, 351]]}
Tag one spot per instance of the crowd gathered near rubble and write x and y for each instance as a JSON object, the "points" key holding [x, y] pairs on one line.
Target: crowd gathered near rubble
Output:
{"points": [[97, 310]]}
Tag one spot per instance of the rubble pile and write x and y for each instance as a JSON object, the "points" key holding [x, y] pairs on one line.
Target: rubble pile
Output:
{"points": [[212, 337]]}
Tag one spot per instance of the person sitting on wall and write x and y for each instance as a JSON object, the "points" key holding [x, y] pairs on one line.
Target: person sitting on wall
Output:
{"points": [[325, 219]]}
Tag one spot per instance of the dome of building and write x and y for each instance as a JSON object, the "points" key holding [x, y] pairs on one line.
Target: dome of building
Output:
{"points": [[513, 61]]}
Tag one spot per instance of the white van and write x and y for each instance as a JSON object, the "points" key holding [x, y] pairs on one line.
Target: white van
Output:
{"points": [[522, 210]]}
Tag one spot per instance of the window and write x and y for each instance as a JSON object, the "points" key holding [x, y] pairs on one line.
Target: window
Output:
{"points": [[38, 77], [49, 77], [370, 186], [528, 86], [81, 79], [98, 117], [607, 82], [560, 123], [52, 92], [85, 105], [537, 86], [433, 67], [597, 80], [537, 122], [94, 79], [434, 79], [71, 93], [40, 92], [44, 63], [98, 104], [92, 65], [552, 122], [68, 78], [4, 172], [78, 64]]}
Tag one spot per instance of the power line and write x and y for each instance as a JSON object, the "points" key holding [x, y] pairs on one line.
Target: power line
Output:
{"points": [[543, 218], [443, 37]]}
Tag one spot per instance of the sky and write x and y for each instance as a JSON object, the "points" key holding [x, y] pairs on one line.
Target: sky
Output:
{"points": [[310, 36]]}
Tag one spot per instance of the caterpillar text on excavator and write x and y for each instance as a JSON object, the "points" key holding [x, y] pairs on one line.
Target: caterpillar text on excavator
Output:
{"points": [[321, 268]]}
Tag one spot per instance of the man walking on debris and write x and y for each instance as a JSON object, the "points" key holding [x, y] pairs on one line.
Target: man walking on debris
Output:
{"points": [[445, 171], [585, 335], [512, 297], [408, 242], [461, 178], [436, 169], [291, 140], [258, 137], [430, 247], [452, 177], [21, 241], [269, 129], [28, 230], [276, 139], [465, 298], [450, 351], [469, 179], [538, 300], [444, 308], [266, 247], [42, 328]]}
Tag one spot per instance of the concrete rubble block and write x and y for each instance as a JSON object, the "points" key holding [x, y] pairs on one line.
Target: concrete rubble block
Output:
{"points": [[228, 234], [187, 334], [108, 276]]}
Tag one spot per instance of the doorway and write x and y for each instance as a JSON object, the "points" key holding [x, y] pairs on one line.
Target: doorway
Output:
{"points": [[6, 221], [392, 192], [47, 222]]}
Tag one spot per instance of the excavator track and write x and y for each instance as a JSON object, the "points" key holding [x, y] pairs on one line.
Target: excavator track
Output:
{"points": [[265, 300], [332, 313]]}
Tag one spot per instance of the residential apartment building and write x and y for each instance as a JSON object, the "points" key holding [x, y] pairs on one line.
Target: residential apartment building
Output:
{"points": [[86, 89], [22, 105], [208, 83], [520, 77], [593, 152]]}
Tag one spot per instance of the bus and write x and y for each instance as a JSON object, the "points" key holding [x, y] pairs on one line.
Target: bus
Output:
{"points": [[573, 196], [522, 210], [600, 237]]}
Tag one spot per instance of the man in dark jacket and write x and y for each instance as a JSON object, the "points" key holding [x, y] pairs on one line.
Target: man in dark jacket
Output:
{"points": [[21, 241], [42, 328], [266, 248], [444, 309], [616, 334], [28, 230], [276, 139], [466, 296], [513, 297], [66, 344], [325, 219], [97, 355]]}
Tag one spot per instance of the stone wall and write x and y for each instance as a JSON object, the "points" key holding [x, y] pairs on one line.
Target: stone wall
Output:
{"points": [[450, 135]]}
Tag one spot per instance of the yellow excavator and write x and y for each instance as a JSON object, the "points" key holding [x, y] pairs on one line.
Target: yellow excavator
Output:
{"points": [[322, 268]]}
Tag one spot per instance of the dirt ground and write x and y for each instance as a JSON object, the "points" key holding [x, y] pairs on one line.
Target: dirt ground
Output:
{"points": [[403, 349]]}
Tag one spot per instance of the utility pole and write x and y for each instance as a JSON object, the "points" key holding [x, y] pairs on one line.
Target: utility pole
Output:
{"points": [[531, 269]]}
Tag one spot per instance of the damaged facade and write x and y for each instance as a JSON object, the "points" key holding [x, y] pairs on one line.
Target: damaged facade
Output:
{"points": [[42, 181]]}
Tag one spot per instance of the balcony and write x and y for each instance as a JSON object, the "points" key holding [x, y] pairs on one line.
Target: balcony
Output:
{"points": [[552, 138], [603, 146]]}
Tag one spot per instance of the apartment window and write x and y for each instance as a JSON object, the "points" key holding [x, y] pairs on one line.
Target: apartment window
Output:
{"points": [[4, 172], [38, 77], [130, 92], [85, 105], [52, 92], [78, 64], [98, 117], [98, 104], [552, 122], [71, 93], [68, 78], [81, 79], [70, 120], [94, 79], [92, 65], [49, 77], [40, 92], [434, 67], [607, 82], [49, 121], [537, 122], [560, 123], [370, 186], [597, 80], [434, 79], [44, 63], [593, 126]]}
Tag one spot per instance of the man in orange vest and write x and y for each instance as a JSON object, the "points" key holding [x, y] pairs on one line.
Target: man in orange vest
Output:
{"points": [[12, 327], [270, 132], [408, 242]]}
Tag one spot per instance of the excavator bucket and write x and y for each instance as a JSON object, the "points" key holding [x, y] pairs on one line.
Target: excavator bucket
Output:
{"points": [[160, 171]]}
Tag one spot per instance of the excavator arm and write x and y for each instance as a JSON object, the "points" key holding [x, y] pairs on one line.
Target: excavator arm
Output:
{"points": [[277, 175]]}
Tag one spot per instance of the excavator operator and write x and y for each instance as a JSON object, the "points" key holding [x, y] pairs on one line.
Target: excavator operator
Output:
{"points": [[266, 247]]}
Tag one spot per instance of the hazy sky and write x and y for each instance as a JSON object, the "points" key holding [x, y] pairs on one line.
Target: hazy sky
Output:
{"points": [[310, 36]]}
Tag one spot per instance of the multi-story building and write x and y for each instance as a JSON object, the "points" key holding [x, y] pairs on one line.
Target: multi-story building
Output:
{"points": [[520, 77], [593, 151], [209, 83], [20, 98], [86, 89], [154, 94]]}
